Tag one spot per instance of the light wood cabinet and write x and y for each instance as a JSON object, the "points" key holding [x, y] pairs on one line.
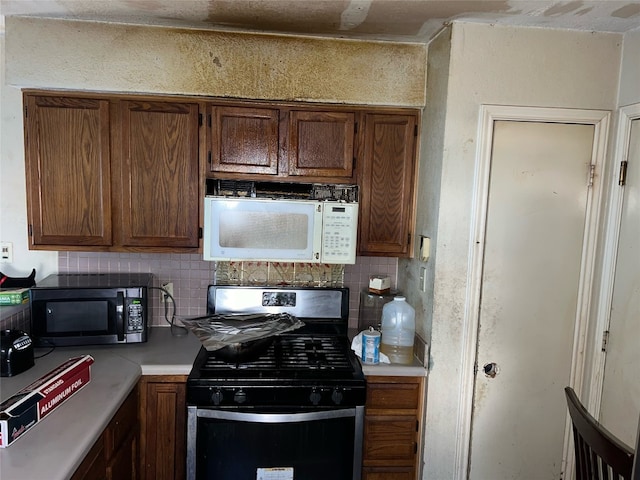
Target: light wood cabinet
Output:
{"points": [[114, 456], [105, 174], [387, 184], [163, 431], [393, 413]]}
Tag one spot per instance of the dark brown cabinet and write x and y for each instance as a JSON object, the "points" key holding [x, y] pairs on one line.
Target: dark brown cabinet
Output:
{"points": [[255, 142], [321, 144], [158, 174], [244, 139], [163, 430], [126, 173], [67, 146], [105, 174], [392, 428], [387, 184], [114, 456]]}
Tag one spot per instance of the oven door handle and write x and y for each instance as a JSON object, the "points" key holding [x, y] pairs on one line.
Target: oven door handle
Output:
{"points": [[276, 417]]}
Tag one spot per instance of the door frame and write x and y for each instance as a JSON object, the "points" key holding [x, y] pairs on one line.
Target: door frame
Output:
{"points": [[626, 116], [471, 318]]}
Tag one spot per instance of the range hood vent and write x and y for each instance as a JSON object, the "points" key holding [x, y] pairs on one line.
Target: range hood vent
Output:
{"points": [[300, 191]]}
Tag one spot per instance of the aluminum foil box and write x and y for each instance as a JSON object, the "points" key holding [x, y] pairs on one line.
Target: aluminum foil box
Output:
{"points": [[26, 408]]}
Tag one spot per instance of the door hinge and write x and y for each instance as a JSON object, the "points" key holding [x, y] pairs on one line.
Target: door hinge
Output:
{"points": [[622, 177], [25, 111], [209, 157], [355, 127], [415, 130], [30, 230], [200, 119], [592, 174], [605, 340]]}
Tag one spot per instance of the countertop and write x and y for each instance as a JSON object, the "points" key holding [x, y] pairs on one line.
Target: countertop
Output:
{"points": [[56, 446], [53, 448]]}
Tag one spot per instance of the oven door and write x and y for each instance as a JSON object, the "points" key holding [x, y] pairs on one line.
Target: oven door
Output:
{"points": [[310, 445]]}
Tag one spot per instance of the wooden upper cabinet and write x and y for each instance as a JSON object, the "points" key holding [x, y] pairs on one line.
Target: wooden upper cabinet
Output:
{"points": [[387, 178], [67, 171], [158, 174], [321, 143], [244, 139]]}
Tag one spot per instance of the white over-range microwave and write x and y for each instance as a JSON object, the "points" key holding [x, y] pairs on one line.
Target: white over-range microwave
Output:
{"points": [[283, 229]]}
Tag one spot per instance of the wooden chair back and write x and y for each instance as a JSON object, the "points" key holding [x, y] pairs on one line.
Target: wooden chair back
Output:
{"points": [[599, 454]]}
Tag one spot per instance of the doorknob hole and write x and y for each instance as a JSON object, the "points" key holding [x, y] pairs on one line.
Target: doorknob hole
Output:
{"points": [[491, 369]]}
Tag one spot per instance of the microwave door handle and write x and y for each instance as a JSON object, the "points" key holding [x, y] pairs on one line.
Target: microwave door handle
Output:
{"points": [[120, 316]]}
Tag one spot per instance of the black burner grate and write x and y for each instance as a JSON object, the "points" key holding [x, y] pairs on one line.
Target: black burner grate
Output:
{"points": [[289, 355]]}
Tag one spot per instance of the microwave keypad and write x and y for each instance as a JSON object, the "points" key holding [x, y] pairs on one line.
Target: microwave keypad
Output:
{"points": [[134, 316], [338, 233]]}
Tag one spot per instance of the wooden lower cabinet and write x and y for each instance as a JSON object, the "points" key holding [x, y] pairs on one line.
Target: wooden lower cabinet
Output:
{"points": [[163, 429], [114, 456], [393, 416]]}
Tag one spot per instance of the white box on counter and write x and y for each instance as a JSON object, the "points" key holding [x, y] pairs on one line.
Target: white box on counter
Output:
{"points": [[379, 284], [26, 408]]}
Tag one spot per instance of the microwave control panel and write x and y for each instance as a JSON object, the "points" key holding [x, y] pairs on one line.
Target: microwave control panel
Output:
{"points": [[339, 232], [135, 315]]}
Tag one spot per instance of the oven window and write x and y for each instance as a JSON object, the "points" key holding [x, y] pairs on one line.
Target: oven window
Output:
{"points": [[308, 450], [87, 316]]}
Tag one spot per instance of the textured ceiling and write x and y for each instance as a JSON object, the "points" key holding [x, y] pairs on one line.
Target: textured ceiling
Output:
{"points": [[401, 20]]}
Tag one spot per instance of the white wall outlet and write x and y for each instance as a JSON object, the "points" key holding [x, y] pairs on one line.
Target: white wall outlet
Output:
{"points": [[6, 252], [423, 279], [169, 288]]}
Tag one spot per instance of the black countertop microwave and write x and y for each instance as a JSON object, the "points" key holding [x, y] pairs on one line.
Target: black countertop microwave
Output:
{"points": [[90, 309]]}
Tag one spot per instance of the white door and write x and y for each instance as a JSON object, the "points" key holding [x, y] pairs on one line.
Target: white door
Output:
{"points": [[530, 294], [620, 405]]}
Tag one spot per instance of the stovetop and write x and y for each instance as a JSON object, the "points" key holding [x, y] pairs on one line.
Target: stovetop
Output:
{"points": [[310, 367]]}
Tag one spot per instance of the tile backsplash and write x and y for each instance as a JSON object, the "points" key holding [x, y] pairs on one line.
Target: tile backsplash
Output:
{"points": [[191, 276]]}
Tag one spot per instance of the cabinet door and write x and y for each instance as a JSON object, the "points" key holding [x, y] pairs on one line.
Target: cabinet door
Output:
{"points": [[68, 171], [388, 473], [158, 174], [94, 466], [321, 144], [244, 140], [163, 428], [387, 185], [391, 440], [123, 465], [392, 427]]}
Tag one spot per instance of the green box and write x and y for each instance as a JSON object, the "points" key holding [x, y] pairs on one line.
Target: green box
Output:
{"points": [[14, 296]]}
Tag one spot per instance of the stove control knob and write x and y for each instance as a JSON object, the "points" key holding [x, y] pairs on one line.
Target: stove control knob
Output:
{"points": [[216, 397], [315, 397], [337, 396], [240, 397]]}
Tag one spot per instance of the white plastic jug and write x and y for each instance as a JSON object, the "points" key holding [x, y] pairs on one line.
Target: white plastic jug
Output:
{"points": [[398, 330]]}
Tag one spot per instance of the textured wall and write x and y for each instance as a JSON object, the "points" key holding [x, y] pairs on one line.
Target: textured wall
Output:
{"points": [[67, 54]]}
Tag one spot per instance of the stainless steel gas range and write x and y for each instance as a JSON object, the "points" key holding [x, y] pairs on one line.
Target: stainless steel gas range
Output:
{"points": [[294, 409]]}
